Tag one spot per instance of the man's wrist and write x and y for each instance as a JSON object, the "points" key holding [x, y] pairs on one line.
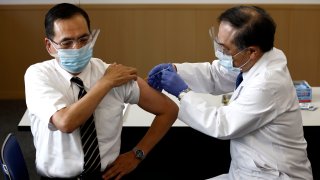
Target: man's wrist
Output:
{"points": [[139, 154], [184, 92]]}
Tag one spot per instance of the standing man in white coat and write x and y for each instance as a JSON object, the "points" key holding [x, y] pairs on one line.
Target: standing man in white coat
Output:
{"points": [[263, 119]]}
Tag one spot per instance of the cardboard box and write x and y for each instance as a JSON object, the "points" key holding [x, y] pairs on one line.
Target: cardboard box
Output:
{"points": [[304, 91]]}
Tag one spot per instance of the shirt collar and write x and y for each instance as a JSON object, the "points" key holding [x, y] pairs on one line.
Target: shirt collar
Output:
{"points": [[84, 75]]}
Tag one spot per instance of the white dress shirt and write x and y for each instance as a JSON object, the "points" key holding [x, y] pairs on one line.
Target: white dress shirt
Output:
{"points": [[263, 119], [48, 89]]}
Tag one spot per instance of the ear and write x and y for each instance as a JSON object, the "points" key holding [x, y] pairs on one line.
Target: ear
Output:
{"points": [[49, 46], [255, 52]]}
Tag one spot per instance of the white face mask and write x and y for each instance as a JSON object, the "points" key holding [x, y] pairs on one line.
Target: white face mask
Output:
{"points": [[227, 61]]}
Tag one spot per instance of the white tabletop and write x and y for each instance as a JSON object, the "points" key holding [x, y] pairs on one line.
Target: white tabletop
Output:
{"points": [[134, 116], [312, 118]]}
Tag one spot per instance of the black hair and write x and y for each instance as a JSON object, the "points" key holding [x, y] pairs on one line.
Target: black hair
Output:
{"points": [[62, 11], [255, 27]]}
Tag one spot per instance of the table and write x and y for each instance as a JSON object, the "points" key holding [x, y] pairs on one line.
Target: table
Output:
{"points": [[311, 118], [137, 117]]}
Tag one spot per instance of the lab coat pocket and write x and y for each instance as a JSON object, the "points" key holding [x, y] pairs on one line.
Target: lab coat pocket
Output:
{"points": [[252, 162], [264, 168]]}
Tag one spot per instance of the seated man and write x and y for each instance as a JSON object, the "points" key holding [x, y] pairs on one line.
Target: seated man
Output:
{"points": [[76, 104]]}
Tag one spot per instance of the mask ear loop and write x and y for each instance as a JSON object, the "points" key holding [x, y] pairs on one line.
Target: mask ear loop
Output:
{"points": [[240, 67], [244, 64]]}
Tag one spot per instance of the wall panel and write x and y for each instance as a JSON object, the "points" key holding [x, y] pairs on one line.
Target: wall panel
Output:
{"points": [[145, 35], [304, 44]]}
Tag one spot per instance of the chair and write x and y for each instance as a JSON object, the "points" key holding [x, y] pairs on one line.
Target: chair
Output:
{"points": [[12, 160]]}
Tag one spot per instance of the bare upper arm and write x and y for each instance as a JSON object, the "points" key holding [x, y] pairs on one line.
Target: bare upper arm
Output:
{"points": [[153, 101]]}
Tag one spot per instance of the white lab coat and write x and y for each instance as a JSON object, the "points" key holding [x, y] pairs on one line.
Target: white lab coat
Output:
{"points": [[263, 120]]}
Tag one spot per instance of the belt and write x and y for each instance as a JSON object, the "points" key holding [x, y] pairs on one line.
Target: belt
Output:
{"points": [[91, 176]]}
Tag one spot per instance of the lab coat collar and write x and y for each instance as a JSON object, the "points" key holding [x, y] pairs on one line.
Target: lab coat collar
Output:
{"points": [[255, 70]]}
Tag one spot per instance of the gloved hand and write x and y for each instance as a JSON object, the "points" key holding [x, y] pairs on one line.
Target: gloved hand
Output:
{"points": [[172, 83], [155, 75]]}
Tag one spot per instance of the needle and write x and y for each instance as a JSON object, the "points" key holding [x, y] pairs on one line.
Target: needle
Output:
{"points": [[159, 72]]}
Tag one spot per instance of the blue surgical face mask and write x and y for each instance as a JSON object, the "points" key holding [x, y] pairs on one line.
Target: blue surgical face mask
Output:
{"points": [[74, 60]]}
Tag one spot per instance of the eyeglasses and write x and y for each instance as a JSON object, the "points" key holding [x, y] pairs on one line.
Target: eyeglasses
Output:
{"points": [[70, 43], [218, 46]]}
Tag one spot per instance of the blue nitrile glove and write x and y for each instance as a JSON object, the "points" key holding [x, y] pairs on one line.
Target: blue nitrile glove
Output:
{"points": [[155, 82], [172, 83], [154, 76]]}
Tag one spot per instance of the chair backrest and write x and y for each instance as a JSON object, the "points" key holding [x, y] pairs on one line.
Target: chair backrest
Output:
{"points": [[12, 160]]}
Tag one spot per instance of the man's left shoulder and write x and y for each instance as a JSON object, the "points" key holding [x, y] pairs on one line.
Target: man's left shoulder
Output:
{"points": [[97, 61], [98, 64]]}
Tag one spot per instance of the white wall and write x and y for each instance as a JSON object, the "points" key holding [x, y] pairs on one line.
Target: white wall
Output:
{"points": [[161, 1]]}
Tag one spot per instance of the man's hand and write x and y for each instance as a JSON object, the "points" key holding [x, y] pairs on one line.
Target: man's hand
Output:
{"points": [[124, 164], [118, 74], [172, 83], [155, 75]]}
